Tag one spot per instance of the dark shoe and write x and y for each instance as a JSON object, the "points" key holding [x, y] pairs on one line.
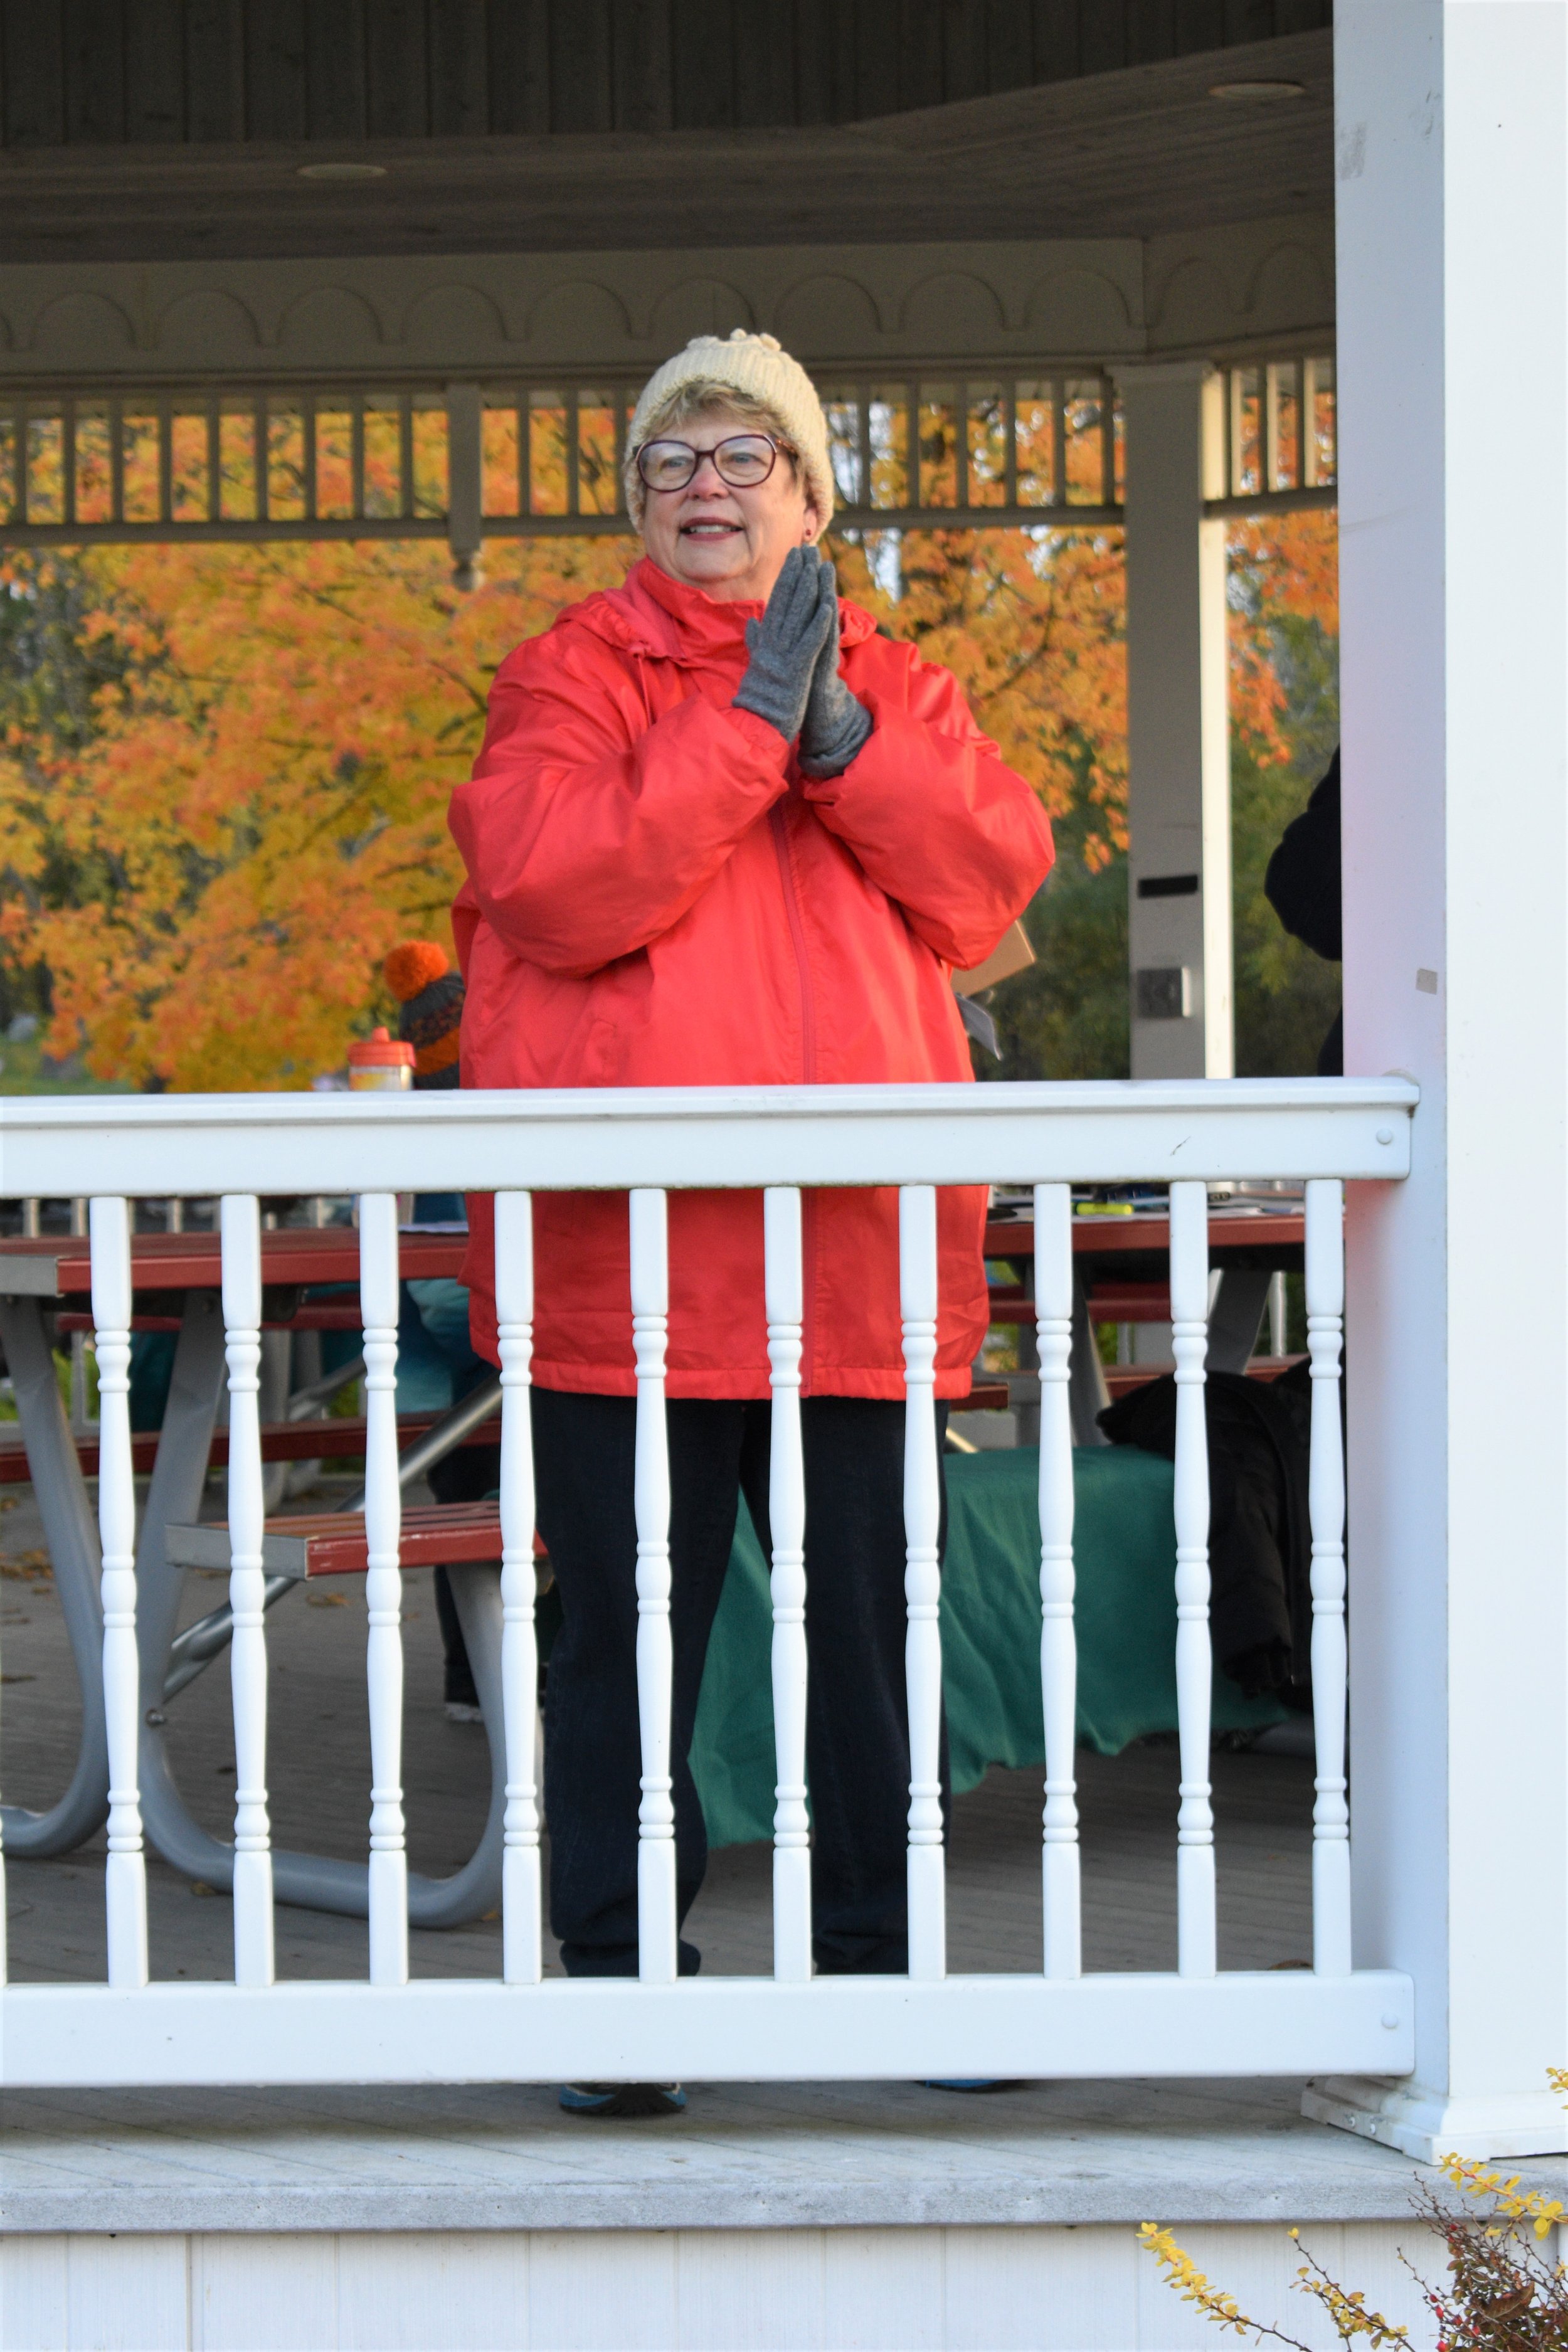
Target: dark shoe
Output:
{"points": [[623, 2098], [980, 2082]]}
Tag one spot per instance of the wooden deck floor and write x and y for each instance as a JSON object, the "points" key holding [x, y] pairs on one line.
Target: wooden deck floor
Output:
{"points": [[320, 1773]]}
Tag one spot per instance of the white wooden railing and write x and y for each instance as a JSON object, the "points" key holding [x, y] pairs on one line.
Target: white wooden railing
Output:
{"points": [[1053, 2021]]}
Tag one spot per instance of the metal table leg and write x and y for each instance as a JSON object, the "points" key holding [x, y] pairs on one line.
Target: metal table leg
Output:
{"points": [[314, 1880], [1088, 1391], [1234, 1318], [71, 1531], [175, 1497]]}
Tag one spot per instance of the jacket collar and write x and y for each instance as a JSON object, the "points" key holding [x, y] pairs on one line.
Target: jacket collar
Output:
{"points": [[653, 613]]}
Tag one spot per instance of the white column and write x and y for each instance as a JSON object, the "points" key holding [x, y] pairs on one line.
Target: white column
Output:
{"points": [[658, 1888], [786, 1288], [1197, 1932], [922, 1580], [254, 1948], [388, 1902], [465, 483], [125, 1889], [1060, 1876], [1332, 1954], [522, 1907], [1178, 740], [1452, 158]]}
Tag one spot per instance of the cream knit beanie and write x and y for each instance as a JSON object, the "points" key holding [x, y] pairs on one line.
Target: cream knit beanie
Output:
{"points": [[753, 364]]}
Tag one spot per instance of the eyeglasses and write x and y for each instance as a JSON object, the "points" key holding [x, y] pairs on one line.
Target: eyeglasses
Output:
{"points": [[742, 459]]}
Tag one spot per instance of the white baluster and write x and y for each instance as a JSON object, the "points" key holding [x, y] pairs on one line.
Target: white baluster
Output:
{"points": [[521, 1907], [4, 1964], [786, 1510], [923, 1579], [1197, 1942], [656, 1817], [240, 1226], [383, 1589], [1326, 1503], [1058, 1647], [126, 1879]]}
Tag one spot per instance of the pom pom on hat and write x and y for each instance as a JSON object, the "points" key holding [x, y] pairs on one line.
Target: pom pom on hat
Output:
{"points": [[759, 366], [412, 966], [431, 994]]}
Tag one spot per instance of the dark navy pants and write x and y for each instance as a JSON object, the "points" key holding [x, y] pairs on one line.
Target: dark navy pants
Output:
{"points": [[857, 1745]]}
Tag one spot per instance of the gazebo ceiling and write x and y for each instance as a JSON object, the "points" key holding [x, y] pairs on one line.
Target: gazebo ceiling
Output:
{"points": [[149, 132]]}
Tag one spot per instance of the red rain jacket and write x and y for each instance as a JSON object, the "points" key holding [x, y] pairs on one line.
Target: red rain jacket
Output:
{"points": [[656, 897]]}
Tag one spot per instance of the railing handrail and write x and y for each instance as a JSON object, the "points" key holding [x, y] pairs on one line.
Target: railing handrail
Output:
{"points": [[1085, 1131]]}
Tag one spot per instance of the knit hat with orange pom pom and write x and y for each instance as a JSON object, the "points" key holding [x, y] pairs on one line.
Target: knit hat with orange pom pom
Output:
{"points": [[431, 995]]}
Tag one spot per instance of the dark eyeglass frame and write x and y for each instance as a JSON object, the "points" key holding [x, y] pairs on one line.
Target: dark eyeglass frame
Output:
{"points": [[666, 441]]}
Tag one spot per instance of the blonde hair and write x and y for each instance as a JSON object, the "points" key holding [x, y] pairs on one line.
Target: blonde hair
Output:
{"points": [[683, 406]]}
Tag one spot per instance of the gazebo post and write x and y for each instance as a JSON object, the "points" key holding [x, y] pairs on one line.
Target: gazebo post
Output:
{"points": [[1178, 747], [1452, 176], [465, 483]]}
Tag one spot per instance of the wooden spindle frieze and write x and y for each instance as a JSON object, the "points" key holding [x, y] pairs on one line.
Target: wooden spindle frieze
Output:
{"points": [[126, 1874], [923, 1578], [1059, 1648], [1196, 1937], [522, 1902], [239, 1224], [654, 1662], [786, 1512], [384, 1589], [1325, 1286]]}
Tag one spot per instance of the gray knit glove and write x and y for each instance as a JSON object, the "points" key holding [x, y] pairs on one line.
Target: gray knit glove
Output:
{"points": [[835, 726], [785, 644]]}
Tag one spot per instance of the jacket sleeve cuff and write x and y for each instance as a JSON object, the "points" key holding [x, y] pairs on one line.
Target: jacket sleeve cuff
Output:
{"points": [[822, 791], [765, 743]]}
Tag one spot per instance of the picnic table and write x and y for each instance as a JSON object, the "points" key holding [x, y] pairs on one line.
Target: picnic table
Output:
{"points": [[1121, 1274], [176, 1284]]}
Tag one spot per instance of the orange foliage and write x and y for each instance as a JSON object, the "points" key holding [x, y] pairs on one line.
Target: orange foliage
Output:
{"points": [[1280, 564], [1032, 628], [267, 807]]}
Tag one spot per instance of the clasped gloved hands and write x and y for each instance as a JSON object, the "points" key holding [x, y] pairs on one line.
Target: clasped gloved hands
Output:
{"points": [[835, 726], [792, 678], [785, 644]]}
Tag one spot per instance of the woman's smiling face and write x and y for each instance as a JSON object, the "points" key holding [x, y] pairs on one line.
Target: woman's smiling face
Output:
{"points": [[729, 543]]}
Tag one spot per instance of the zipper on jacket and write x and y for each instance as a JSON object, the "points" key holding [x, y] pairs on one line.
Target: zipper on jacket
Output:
{"points": [[797, 940], [778, 827]]}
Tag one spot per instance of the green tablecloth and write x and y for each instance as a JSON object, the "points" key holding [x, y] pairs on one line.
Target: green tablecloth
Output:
{"points": [[1125, 1552]]}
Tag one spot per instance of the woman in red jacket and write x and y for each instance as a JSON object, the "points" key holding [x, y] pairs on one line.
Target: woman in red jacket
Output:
{"points": [[722, 832]]}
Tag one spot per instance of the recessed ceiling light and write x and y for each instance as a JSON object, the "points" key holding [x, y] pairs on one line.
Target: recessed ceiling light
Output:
{"points": [[342, 172], [1258, 92]]}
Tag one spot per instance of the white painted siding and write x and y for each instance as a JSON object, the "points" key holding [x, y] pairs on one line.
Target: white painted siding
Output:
{"points": [[1020, 2289]]}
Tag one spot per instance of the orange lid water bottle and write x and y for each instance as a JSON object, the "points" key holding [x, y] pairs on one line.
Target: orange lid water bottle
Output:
{"points": [[378, 1062]]}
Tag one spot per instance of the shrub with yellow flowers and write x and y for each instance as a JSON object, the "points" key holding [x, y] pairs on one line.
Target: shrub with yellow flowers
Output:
{"points": [[1503, 2293]]}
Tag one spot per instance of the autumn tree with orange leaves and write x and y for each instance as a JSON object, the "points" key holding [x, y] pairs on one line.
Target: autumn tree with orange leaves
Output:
{"points": [[260, 811]]}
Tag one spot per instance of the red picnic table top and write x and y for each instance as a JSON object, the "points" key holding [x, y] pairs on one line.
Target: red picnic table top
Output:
{"points": [[1252, 1226], [60, 1266], [294, 1259]]}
